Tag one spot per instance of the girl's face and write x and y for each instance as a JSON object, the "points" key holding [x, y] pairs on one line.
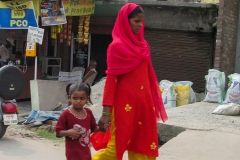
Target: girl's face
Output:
{"points": [[78, 99], [136, 22]]}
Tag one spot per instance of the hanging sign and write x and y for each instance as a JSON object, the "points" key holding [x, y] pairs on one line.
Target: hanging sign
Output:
{"points": [[52, 12], [31, 49], [35, 34], [16, 15], [79, 7]]}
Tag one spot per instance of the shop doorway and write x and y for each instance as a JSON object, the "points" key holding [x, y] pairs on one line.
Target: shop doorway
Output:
{"points": [[99, 45], [80, 54], [98, 49]]}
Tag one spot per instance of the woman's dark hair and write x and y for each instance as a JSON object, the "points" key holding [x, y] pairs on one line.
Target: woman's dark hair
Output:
{"points": [[136, 11], [80, 87]]}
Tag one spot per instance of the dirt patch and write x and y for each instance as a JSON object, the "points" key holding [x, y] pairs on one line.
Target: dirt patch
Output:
{"points": [[22, 131]]}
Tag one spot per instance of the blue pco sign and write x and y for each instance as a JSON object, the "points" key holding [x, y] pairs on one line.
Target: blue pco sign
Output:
{"points": [[17, 16]]}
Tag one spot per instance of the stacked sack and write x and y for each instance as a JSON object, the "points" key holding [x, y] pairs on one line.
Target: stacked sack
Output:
{"points": [[185, 93], [177, 94], [233, 92], [215, 85]]}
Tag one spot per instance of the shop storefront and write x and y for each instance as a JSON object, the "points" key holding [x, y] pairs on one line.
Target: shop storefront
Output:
{"points": [[87, 34], [100, 30], [71, 40], [15, 19], [65, 24]]}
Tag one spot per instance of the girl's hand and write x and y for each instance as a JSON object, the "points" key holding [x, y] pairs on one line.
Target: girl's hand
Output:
{"points": [[106, 126], [73, 133]]}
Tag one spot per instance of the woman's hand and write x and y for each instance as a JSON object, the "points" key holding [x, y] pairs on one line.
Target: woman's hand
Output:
{"points": [[104, 123]]}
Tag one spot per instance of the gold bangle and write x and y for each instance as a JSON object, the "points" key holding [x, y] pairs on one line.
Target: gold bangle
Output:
{"points": [[106, 113]]}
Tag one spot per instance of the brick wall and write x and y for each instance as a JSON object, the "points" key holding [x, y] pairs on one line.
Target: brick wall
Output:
{"points": [[226, 39]]}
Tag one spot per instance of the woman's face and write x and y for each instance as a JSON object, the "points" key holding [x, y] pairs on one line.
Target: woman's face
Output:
{"points": [[136, 22]]}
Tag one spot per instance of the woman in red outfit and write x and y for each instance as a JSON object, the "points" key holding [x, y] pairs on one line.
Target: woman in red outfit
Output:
{"points": [[77, 123], [131, 95]]}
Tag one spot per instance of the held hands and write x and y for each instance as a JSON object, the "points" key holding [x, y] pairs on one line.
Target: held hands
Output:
{"points": [[105, 120], [104, 123], [106, 126]]}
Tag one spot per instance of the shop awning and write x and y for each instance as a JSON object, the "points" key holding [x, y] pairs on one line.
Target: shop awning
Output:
{"points": [[75, 9]]}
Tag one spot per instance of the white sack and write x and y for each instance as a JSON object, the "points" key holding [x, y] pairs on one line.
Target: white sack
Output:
{"points": [[233, 92], [215, 84], [230, 109]]}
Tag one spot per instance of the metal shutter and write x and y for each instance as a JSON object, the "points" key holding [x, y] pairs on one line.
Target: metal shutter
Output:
{"points": [[180, 55]]}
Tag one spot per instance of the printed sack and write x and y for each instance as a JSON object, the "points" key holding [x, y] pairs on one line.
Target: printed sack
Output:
{"points": [[215, 85], [233, 92], [185, 93], [168, 93]]}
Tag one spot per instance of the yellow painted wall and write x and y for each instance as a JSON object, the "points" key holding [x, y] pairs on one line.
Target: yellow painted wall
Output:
{"points": [[210, 1]]}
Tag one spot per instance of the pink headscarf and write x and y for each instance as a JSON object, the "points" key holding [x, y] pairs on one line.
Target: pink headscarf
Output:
{"points": [[128, 51]]}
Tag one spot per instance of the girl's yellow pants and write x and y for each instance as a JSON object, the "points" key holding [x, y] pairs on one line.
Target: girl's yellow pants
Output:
{"points": [[110, 152]]}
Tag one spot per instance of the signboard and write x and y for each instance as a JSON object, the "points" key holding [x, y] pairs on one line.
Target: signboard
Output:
{"points": [[16, 15], [52, 12], [79, 7], [31, 49], [35, 34]]}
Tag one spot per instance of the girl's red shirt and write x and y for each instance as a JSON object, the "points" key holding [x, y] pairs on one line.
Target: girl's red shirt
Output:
{"points": [[77, 149]]}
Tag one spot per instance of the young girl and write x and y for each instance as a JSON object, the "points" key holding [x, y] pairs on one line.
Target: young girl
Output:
{"points": [[77, 123]]}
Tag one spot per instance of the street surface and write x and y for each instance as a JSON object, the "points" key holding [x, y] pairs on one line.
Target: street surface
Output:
{"points": [[21, 144], [26, 149], [30, 149], [206, 136]]}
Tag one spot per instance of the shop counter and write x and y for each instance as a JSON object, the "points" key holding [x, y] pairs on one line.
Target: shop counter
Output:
{"points": [[28, 75]]}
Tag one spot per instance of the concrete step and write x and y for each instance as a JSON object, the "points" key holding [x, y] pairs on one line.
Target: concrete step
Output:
{"points": [[202, 145]]}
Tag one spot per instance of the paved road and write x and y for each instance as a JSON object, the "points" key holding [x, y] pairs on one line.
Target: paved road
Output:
{"points": [[30, 149], [21, 144], [26, 149]]}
